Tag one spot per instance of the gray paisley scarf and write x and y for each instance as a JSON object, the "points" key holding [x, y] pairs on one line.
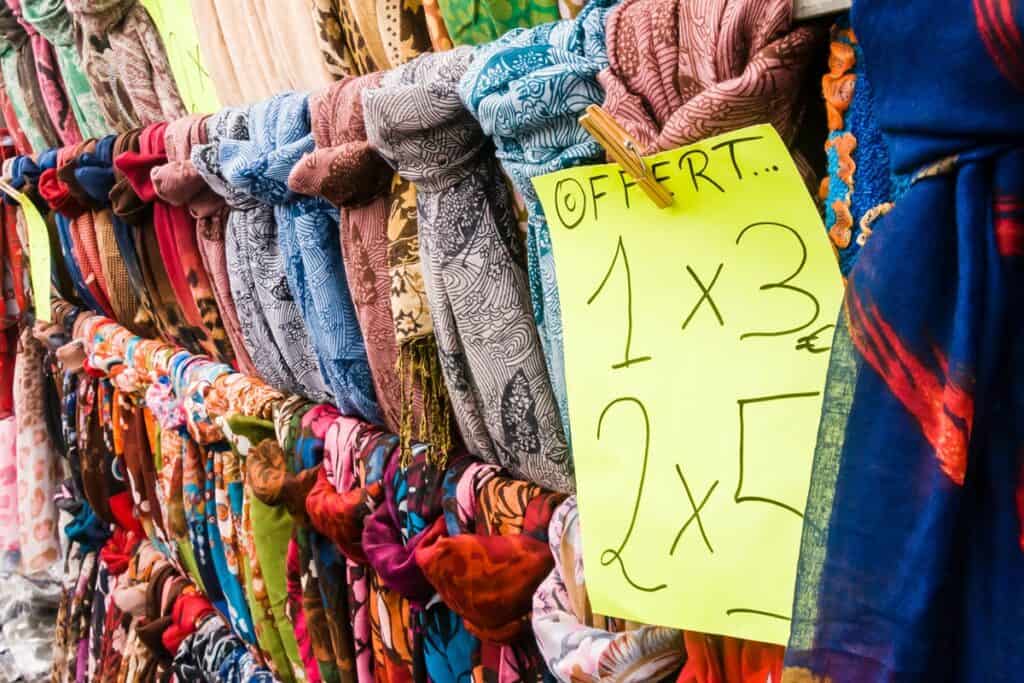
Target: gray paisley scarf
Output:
{"points": [[473, 267], [274, 334]]}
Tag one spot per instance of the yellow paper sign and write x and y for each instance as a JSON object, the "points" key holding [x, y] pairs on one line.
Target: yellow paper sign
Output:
{"points": [[39, 255], [696, 348], [174, 20]]}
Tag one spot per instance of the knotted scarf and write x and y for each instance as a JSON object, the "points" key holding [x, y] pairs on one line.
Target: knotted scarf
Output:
{"points": [[477, 23], [924, 401], [580, 645], [137, 56], [349, 174], [472, 266], [18, 65], [307, 235], [558, 64], [51, 19], [683, 71], [50, 84]]}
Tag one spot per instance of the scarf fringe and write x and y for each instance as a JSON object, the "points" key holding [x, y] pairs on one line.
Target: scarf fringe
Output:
{"points": [[419, 364]]}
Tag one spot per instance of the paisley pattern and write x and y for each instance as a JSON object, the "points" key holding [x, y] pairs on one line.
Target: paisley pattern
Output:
{"points": [[472, 22], [475, 278]]}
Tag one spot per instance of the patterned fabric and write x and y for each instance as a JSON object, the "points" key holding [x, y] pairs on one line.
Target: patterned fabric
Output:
{"points": [[558, 64], [923, 403], [581, 646], [342, 46], [275, 336], [50, 82], [38, 465], [307, 234], [477, 23], [18, 65], [683, 71], [491, 357], [136, 55], [9, 528]]}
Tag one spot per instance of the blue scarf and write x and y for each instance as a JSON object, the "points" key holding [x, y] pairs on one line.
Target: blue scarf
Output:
{"points": [[528, 90], [912, 561]]}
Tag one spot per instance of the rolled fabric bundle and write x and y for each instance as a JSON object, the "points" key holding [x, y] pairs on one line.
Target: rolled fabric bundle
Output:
{"points": [[18, 65], [50, 18], [486, 558], [557, 63], [136, 53], [216, 54], [51, 85], [683, 71], [478, 23], [271, 326], [95, 22], [307, 235], [348, 173], [472, 266], [580, 645]]}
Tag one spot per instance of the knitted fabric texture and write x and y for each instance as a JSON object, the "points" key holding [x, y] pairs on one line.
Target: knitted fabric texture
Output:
{"points": [[528, 90], [473, 268], [307, 234], [272, 326]]}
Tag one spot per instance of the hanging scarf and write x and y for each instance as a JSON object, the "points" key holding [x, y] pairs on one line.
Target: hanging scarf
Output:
{"points": [[216, 54], [47, 67], [138, 53], [307, 234], [293, 43], [924, 404], [680, 71], [559, 63], [21, 143], [350, 175], [50, 18], [581, 646], [10, 543], [18, 65], [472, 266], [478, 23]]}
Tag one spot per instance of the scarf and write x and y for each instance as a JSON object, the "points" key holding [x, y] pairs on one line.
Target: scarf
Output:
{"points": [[559, 63], [216, 54], [343, 48], [924, 379], [95, 21], [50, 83], [307, 235], [11, 125], [10, 543], [477, 23], [581, 646], [294, 45], [17, 63], [680, 72], [50, 18], [138, 55], [349, 174], [472, 266]]}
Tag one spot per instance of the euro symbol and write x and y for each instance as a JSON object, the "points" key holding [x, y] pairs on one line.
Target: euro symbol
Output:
{"points": [[806, 343]]}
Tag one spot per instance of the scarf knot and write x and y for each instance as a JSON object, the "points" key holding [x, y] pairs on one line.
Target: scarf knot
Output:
{"points": [[343, 169], [228, 125], [94, 171], [179, 182]]}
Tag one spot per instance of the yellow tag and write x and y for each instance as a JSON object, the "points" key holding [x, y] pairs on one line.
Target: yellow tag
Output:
{"points": [[174, 20], [39, 255], [696, 348]]}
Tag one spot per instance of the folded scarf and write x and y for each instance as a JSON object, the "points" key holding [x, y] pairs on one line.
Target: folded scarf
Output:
{"points": [[924, 380], [476, 282], [683, 71], [477, 23], [307, 235], [47, 67], [579, 645], [349, 174], [18, 65], [100, 62], [136, 53], [557, 63], [50, 18]]}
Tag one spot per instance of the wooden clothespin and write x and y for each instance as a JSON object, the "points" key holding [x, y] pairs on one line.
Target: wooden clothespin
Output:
{"points": [[625, 151]]}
